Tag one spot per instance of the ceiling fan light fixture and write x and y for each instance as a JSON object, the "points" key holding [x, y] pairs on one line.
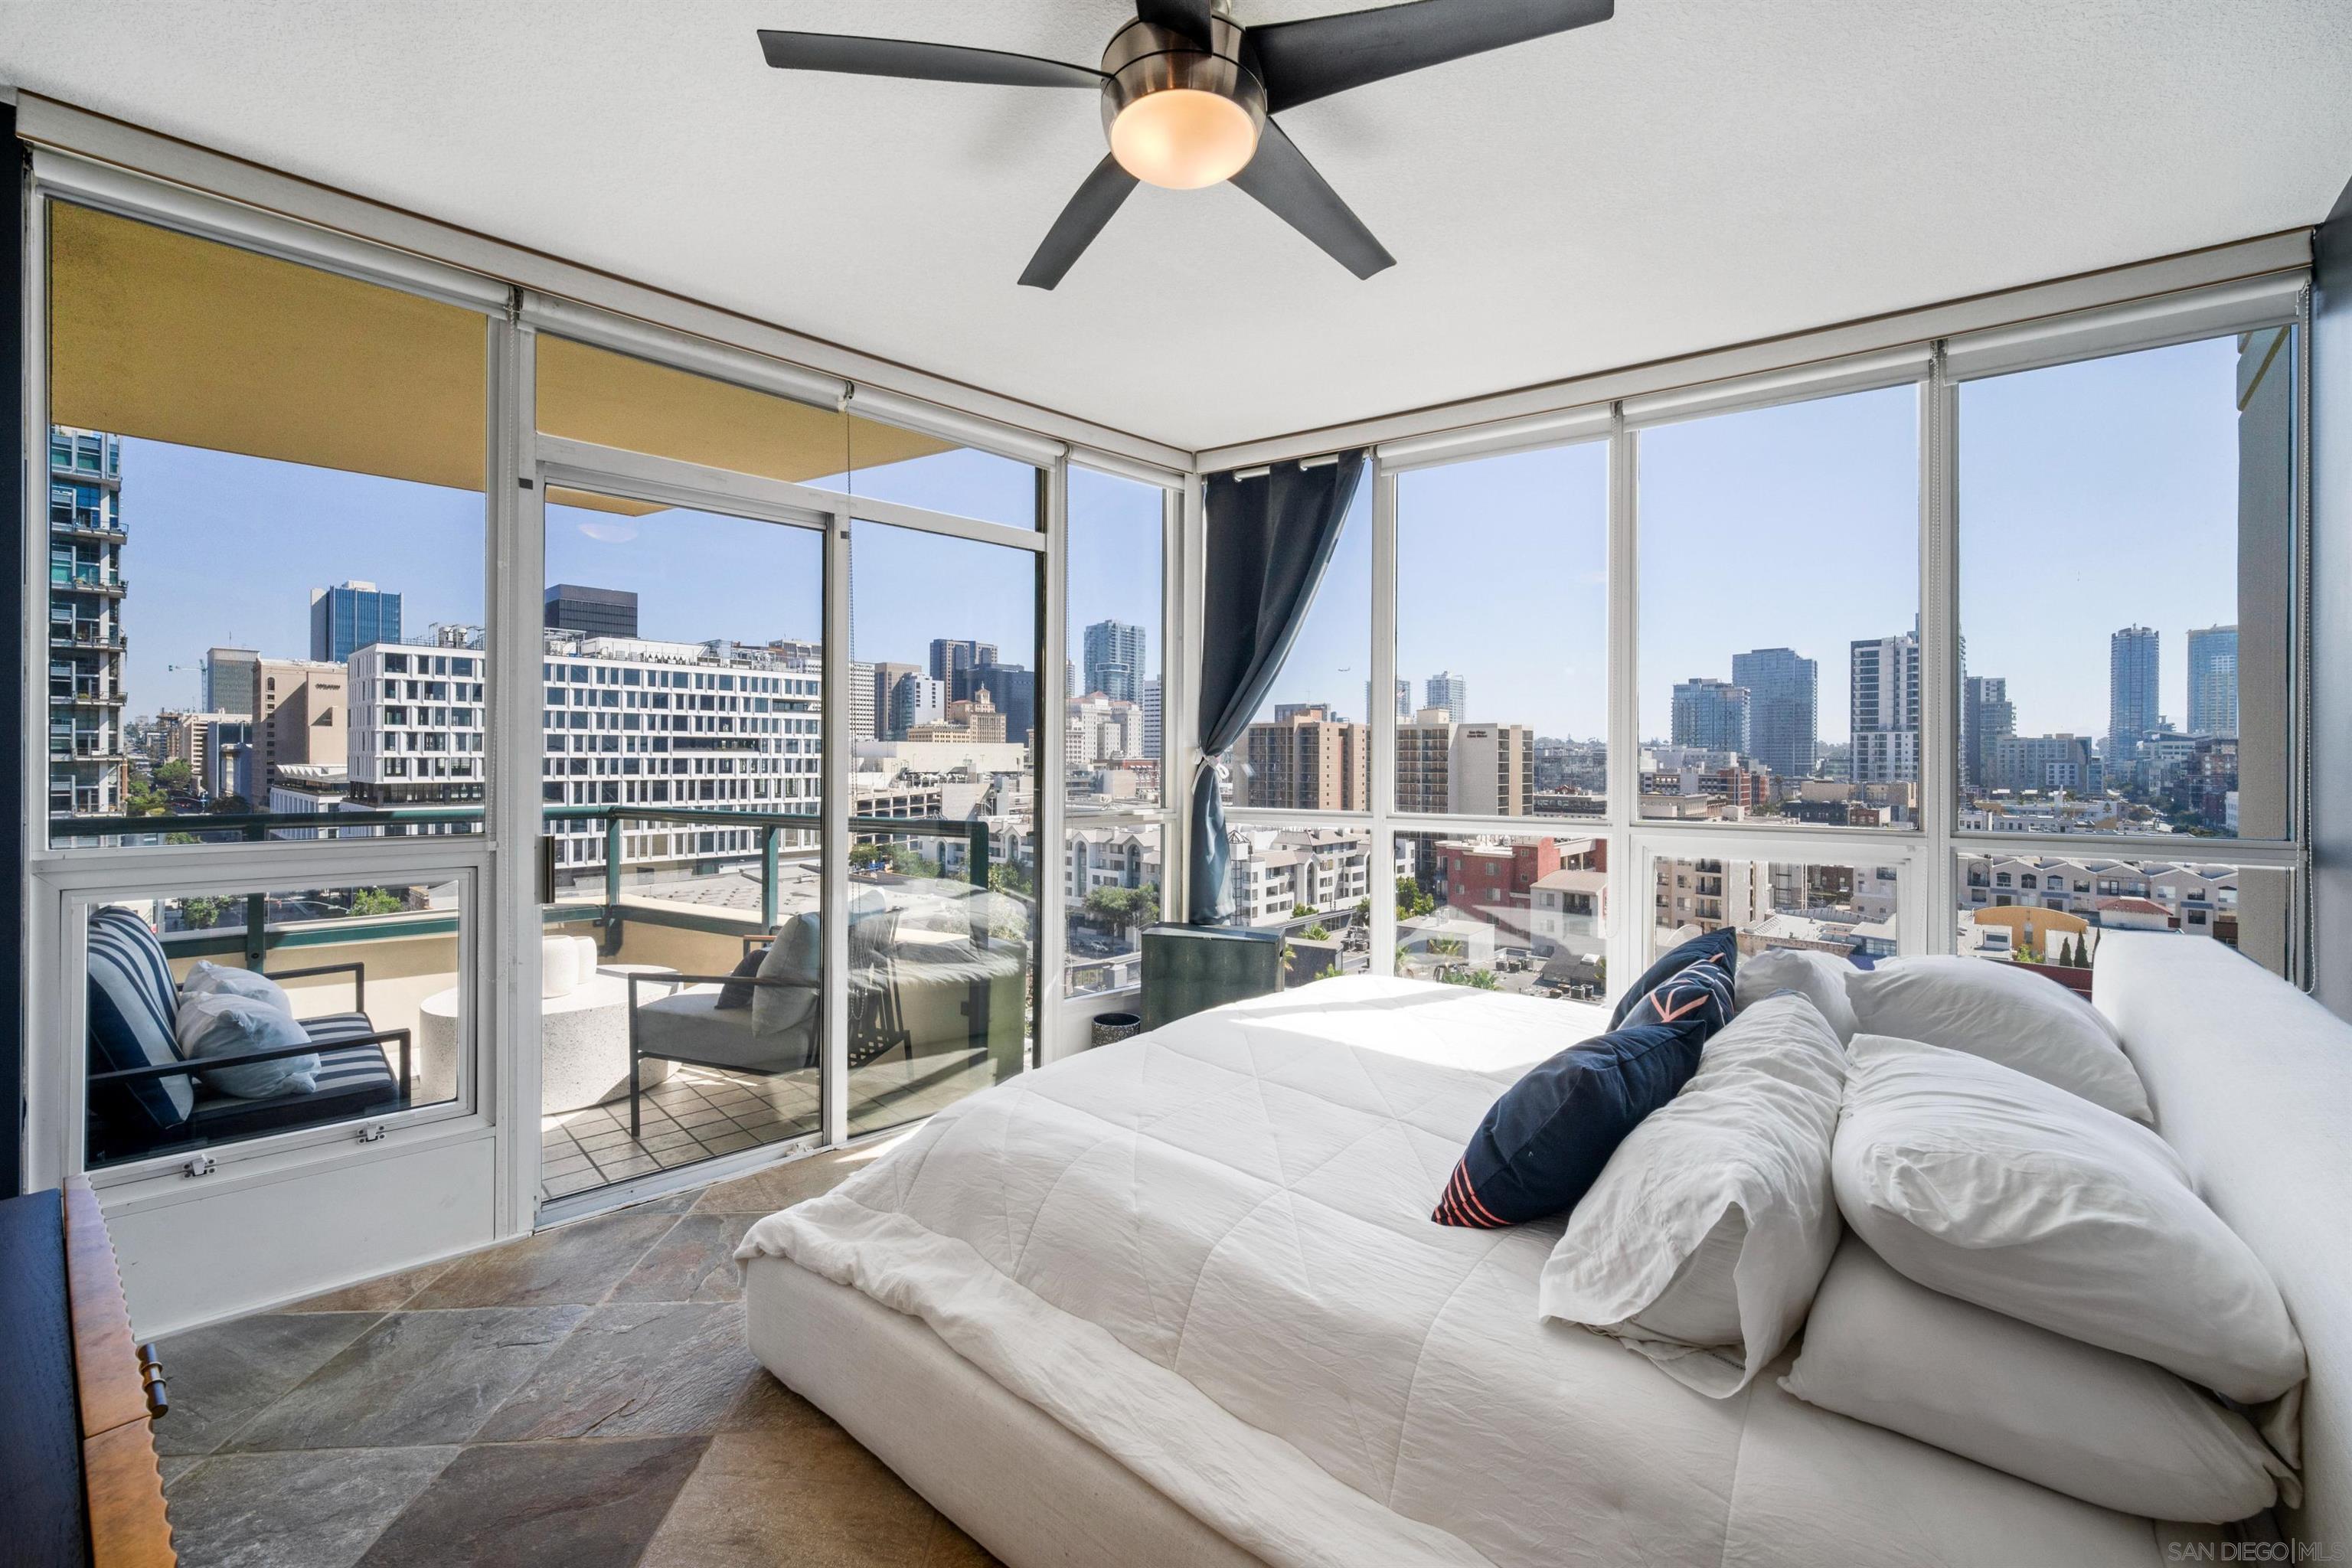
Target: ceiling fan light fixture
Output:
{"points": [[1179, 115], [1184, 138]]}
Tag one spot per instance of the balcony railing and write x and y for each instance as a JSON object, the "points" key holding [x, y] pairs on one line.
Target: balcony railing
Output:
{"points": [[610, 913]]}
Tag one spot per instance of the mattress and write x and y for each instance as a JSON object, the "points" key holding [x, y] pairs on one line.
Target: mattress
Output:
{"points": [[1206, 1253]]}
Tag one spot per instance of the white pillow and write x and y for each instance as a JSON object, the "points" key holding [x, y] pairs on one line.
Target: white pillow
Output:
{"points": [[1999, 1189], [220, 1024], [2006, 1014], [1819, 976], [2110, 1430], [1702, 1242], [208, 979]]}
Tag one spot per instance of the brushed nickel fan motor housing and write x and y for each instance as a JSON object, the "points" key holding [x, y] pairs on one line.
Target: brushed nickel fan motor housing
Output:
{"points": [[1145, 58]]}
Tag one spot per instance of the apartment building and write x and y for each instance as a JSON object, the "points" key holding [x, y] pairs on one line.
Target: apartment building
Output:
{"points": [[1467, 770], [1275, 871], [89, 762], [1306, 760], [1883, 691]]}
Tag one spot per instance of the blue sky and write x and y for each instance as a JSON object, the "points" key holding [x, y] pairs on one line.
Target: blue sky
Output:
{"points": [[2093, 496]]}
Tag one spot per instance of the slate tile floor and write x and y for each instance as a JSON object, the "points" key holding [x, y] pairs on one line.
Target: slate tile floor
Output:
{"points": [[582, 1398]]}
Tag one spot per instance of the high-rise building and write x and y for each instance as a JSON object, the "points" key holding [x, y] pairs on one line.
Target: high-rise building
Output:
{"points": [[89, 763], [1783, 724], [886, 676], [1884, 683], [593, 612], [1099, 728], [230, 678], [1307, 761], [1492, 770], [1013, 691], [1154, 719], [1403, 701], [861, 701], [1712, 715], [951, 656], [1987, 718], [1424, 750], [916, 699], [2214, 680], [1470, 770], [1449, 691], [2133, 683], [1114, 654], [299, 715], [350, 615]]}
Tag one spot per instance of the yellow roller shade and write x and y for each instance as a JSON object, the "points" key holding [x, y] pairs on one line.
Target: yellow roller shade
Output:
{"points": [[615, 400], [165, 337]]}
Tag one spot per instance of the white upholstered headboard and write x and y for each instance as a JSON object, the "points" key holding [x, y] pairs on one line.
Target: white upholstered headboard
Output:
{"points": [[2252, 1081]]}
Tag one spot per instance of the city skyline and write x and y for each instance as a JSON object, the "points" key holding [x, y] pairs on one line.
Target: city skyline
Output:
{"points": [[177, 497]]}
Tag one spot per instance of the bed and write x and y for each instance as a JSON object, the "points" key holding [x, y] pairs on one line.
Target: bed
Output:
{"points": [[1179, 1301]]}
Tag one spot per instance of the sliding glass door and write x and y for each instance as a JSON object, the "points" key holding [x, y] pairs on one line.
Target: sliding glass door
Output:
{"points": [[681, 685]]}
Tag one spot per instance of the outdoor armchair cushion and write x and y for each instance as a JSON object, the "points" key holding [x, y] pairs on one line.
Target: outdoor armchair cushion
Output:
{"points": [[132, 1002]]}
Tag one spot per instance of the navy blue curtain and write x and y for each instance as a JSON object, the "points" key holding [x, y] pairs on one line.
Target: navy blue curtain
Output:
{"points": [[1269, 537]]}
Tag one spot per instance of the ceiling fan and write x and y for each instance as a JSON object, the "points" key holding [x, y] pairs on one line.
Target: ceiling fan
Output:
{"points": [[1187, 93]]}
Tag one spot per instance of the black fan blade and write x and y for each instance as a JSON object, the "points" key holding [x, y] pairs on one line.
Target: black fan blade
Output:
{"points": [[1190, 17], [1079, 223], [919, 61], [1304, 60], [1282, 179]]}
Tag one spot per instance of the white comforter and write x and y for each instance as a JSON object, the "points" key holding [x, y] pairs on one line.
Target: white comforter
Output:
{"points": [[1208, 1251]]}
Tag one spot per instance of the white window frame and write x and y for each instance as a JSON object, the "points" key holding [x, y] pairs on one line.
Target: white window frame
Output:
{"points": [[498, 1074], [1072, 1015], [1811, 367]]}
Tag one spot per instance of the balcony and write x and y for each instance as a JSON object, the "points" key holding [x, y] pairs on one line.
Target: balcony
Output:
{"points": [[961, 1027], [88, 583], [86, 636]]}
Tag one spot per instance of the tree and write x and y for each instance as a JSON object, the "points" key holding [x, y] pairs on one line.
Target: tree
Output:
{"points": [[1329, 971], [174, 776], [1011, 878], [202, 913], [1475, 979], [1410, 900], [1364, 910], [1119, 908], [377, 901], [1447, 947], [1300, 911], [1316, 932]]}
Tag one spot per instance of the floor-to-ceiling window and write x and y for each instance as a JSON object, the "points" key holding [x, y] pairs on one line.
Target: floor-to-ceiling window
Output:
{"points": [[1118, 733], [2127, 560], [1976, 644]]}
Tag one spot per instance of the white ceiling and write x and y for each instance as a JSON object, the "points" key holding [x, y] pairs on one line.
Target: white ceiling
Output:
{"points": [[1692, 173]]}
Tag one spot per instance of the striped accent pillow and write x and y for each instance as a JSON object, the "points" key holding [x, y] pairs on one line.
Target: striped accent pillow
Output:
{"points": [[131, 1001], [1540, 1147]]}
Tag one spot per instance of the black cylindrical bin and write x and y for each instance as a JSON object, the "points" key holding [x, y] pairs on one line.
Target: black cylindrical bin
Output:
{"points": [[1110, 1026]]}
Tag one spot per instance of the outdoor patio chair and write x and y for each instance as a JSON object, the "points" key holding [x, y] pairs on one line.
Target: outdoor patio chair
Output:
{"points": [[145, 1098], [770, 1023]]}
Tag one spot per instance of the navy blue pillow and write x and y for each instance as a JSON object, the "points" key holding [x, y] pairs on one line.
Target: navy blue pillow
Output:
{"points": [[737, 992], [1542, 1146], [1723, 943]]}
